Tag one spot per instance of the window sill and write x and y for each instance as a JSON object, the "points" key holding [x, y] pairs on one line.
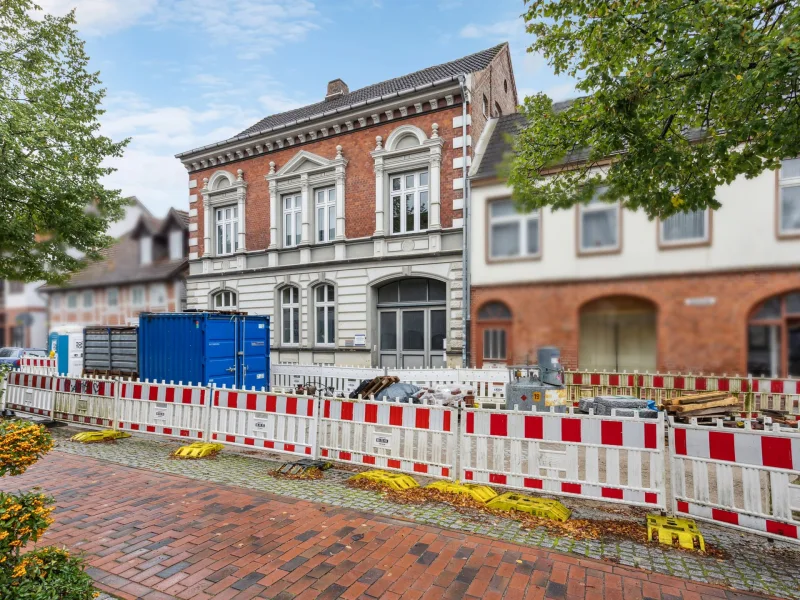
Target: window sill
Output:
{"points": [[789, 235], [599, 251], [514, 259], [684, 244]]}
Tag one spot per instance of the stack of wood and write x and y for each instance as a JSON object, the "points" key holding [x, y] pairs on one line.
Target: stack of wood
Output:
{"points": [[707, 404], [370, 387]]}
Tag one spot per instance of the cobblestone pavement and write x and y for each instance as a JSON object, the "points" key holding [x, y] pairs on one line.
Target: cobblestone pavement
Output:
{"points": [[155, 536], [754, 564]]}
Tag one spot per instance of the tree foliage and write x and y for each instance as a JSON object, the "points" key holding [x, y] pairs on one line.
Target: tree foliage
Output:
{"points": [[53, 206], [678, 98]]}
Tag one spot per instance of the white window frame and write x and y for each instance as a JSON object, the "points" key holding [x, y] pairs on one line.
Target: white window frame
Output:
{"points": [[176, 244], [72, 301], [293, 227], [87, 294], [114, 306], [597, 206], [522, 219], [224, 300], [230, 233], [145, 250], [157, 289], [143, 302], [325, 204], [785, 182], [328, 307], [293, 308], [416, 192], [55, 302], [686, 240]]}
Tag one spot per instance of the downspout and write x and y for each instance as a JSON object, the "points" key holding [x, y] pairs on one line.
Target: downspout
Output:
{"points": [[465, 354]]}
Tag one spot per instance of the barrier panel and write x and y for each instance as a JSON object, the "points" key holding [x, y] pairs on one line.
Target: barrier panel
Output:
{"points": [[172, 410], [614, 459], [413, 438], [280, 422], [38, 365], [29, 393], [87, 400], [738, 478]]}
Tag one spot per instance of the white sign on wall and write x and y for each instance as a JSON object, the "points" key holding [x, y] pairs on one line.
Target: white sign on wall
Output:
{"points": [[360, 339], [701, 301]]}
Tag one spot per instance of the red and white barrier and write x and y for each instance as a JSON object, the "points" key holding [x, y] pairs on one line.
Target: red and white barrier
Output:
{"points": [[163, 409], [615, 459], [412, 438], [38, 365], [88, 401], [273, 421], [30, 394], [739, 478]]}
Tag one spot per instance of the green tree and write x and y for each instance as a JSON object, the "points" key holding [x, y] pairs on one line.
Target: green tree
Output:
{"points": [[53, 206], [677, 98]]}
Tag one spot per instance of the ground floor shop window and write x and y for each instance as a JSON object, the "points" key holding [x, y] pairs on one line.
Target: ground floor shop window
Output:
{"points": [[618, 334], [773, 337]]}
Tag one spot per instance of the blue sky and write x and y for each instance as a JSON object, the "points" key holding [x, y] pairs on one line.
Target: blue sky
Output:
{"points": [[183, 73]]}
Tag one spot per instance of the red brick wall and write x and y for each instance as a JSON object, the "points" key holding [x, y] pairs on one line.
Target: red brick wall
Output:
{"points": [[489, 83], [359, 174], [711, 339]]}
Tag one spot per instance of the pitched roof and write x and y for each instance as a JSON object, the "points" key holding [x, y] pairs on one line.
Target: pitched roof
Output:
{"points": [[467, 64], [427, 77], [498, 145], [120, 262]]}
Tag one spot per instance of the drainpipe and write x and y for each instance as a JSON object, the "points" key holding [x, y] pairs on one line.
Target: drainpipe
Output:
{"points": [[465, 354]]}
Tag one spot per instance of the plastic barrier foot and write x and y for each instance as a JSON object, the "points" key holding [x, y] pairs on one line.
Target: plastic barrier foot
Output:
{"points": [[538, 507], [396, 481], [197, 450], [674, 531], [90, 437], [481, 493]]}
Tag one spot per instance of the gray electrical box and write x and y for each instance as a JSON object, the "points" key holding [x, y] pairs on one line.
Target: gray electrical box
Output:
{"points": [[540, 385]]}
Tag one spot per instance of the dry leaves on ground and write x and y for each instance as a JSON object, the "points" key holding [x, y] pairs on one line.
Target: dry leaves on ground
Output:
{"points": [[305, 475]]}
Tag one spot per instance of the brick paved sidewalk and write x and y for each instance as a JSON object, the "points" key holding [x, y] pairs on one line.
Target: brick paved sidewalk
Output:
{"points": [[153, 535]]}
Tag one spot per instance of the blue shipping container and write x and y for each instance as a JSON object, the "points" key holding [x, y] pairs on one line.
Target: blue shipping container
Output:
{"points": [[204, 348]]}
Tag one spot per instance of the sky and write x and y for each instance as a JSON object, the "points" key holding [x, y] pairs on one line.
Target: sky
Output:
{"points": [[183, 73]]}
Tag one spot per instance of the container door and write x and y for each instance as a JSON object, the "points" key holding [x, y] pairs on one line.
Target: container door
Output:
{"points": [[221, 363], [255, 352]]}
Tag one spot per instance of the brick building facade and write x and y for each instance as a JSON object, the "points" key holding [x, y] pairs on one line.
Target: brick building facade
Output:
{"points": [[343, 220], [702, 292]]}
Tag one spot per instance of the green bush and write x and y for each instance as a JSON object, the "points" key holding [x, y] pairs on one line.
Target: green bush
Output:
{"points": [[47, 574]]}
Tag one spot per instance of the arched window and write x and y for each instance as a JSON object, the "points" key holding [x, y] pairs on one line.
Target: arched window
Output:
{"points": [[290, 315], [494, 324], [505, 85], [224, 300], [326, 314], [618, 333], [221, 183], [485, 106], [498, 112], [773, 337]]}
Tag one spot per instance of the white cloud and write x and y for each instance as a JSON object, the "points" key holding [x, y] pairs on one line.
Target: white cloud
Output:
{"points": [[276, 103], [500, 30], [256, 26], [149, 169], [101, 17]]}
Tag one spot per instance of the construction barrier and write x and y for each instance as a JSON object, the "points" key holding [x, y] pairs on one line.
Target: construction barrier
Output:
{"points": [[167, 409], [615, 459], [87, 400], [38, 365], [412, 438], [29, 394], [279, 422], [738, 478]]}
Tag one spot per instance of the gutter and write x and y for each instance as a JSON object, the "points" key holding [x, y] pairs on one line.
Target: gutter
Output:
{"points": [[328, 113]]}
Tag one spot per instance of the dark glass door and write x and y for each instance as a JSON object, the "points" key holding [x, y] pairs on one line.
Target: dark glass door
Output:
{"points": [[793, 337]]}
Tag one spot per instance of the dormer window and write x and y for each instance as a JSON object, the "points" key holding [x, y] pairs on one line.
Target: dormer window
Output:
{"points": [[145, 250], [175, 244]]}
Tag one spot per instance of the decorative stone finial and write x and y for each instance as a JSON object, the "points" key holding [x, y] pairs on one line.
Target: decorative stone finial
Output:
{"points": [[240, 174], [272, 167], [379, 141], [435, 133], [338, 152]]}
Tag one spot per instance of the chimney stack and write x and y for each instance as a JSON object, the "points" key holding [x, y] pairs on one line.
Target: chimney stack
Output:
{"points": [[336, 89]]}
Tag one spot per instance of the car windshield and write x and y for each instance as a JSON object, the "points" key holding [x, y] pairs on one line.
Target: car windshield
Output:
{"points": [[9, 352]]}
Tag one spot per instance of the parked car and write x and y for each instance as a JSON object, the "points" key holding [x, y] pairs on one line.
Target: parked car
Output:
{"points": [[12, 355]]}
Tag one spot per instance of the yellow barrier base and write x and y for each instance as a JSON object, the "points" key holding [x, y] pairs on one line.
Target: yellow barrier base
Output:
{"points": [[539, 507], [481, 493], [197, 450], [396, 481], [674, 531], [91, 437]]}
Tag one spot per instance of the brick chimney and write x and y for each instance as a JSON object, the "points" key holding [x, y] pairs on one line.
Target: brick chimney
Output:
{"points": [[336, 89]]}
